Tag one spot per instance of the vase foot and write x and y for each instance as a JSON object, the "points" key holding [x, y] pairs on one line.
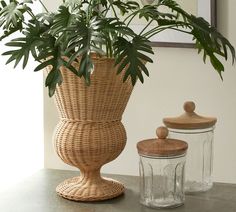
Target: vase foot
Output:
{"points": [[79, 190]]}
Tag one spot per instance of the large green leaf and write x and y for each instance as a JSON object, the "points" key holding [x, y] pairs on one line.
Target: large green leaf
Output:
{"points": [[72, 3], [25, 45], [208, 39], [131, 57], [126, 6], [12, 14], [46, 18], [11, 30], [62, 21], [53, 57], [111, 28], [150, 12], [85, 38], [115, 27]]}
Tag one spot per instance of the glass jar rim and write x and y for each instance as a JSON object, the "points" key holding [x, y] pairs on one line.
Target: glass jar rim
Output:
{"points": [[192, 131], [159, 157]]}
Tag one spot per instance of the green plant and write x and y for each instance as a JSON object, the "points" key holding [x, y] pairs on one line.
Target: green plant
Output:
{"points": [[82, 27]]}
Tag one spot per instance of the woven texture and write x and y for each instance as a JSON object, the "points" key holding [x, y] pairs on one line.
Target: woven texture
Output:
{"points": [[78, 189], [90, 133]]}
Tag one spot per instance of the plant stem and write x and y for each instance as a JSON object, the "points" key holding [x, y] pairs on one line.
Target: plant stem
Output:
{"points": [[31, 14], [131, 19], [162, 29], [132, 14], [106, 11], [146, 27], [89, 11], [152, 30], [113, 9], [166, 27], [43, 6]]}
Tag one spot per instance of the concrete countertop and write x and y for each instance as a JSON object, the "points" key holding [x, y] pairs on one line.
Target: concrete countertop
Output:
{"points": [[37, 194]]}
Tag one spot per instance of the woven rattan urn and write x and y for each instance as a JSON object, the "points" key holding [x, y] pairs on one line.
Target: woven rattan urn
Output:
{"points": [[90, 133]]}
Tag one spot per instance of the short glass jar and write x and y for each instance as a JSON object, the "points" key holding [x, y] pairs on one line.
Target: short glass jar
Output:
{"points": [[198, 132], [162, 163]]}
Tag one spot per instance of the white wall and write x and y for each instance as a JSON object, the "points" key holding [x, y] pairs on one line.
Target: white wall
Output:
{"points": [[176, 76], [21, 121]]}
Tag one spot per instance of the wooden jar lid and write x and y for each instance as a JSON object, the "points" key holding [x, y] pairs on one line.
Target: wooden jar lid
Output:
{"points": [[162, 146], [190, 120]]}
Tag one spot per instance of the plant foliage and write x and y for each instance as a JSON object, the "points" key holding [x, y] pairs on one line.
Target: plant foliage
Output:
{"points": [[80, 28]]}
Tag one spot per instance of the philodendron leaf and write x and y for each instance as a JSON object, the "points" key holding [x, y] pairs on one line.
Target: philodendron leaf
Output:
{"points": [[24, 45], [46, 18], [12, 14], [11, 30], [52, 57], [211, 42], [131, 57], [85, 38], [72, 3], [54, 78], [62, 21], [208, 39]]}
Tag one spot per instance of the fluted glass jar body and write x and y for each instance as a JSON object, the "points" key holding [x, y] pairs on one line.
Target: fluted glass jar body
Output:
{"points": [[199, 161], [162, 181]]}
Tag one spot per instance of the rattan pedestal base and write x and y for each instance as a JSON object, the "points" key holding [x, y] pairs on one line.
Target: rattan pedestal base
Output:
{"points": [[78, 190]]}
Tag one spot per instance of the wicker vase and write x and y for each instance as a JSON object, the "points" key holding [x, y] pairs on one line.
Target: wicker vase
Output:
{"points": [[90, 133]]}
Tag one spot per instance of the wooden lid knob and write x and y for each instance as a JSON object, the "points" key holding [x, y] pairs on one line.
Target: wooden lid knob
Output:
{"points": [[162, 147], [162, 132], [189, 107], [190, 119]]}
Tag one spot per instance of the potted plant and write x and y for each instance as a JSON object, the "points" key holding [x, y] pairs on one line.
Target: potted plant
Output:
{"points": [[93, 59]]}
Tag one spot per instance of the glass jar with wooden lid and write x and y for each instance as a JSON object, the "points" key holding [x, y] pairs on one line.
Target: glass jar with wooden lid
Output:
{"points": [[162, 163], [198, 132]]}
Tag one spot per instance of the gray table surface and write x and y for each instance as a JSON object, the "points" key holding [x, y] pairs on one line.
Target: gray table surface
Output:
{"points": [[37, 194]]}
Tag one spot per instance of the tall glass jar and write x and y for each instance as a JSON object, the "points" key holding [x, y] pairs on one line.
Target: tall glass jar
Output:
{"points": [[198, 132], [162, 163]]}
